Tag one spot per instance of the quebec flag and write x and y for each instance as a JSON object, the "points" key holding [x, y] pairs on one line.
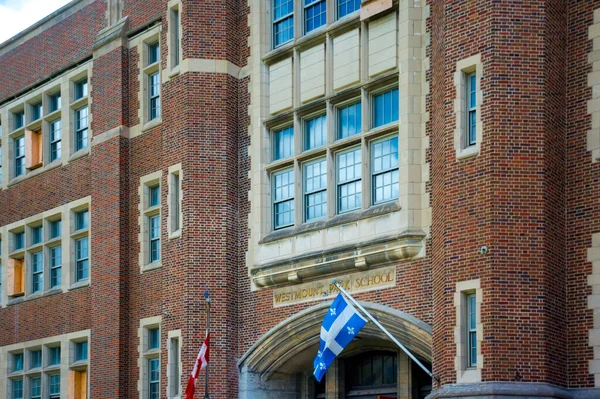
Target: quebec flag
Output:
{"points": [[341, 324]]}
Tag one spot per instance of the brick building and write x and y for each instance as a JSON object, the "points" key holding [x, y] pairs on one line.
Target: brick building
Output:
{"points": [[439, 158]]}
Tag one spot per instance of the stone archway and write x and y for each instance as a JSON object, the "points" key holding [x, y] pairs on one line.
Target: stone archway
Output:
{"points": [[270, 368]]}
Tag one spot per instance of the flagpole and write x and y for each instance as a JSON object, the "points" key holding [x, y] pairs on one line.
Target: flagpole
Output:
{"points": [[354, 301], [207, 296]]}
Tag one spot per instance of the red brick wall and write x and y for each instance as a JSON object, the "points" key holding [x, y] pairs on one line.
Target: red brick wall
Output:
{"points": [[51, 51], [142, 12], [582, 192]]}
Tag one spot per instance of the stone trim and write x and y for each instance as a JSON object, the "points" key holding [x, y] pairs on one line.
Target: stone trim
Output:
{"points": [[463, 373], [175, 170], [593, 255], [593, 105], [173, 70], [171, 379], [145, 354], [463, 67], [66, 359], [512, 390], [145, 212]]}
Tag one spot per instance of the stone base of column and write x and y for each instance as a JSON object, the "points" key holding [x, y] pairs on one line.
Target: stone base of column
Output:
{"points": [[512, 390]]}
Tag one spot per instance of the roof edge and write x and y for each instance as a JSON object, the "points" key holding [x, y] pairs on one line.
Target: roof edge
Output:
{"points": [[44, 24]]}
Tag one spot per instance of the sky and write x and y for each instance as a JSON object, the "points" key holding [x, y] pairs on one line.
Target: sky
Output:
{"points": [[17, 15]]}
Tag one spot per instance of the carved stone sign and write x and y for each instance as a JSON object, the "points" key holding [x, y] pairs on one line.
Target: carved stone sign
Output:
{"points": [[317, 290]]}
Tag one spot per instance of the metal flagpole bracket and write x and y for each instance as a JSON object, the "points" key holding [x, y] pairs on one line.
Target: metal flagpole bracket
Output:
{"points": [[386, 332]]}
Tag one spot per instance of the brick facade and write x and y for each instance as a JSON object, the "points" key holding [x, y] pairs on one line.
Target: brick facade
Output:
{"points": [[531, 195]]}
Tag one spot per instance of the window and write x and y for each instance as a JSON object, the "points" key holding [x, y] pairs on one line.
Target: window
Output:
{"points": [[153, 338], [81, 128], [54, 386], [17, 362], [284, 143], [174, 368], [17, 389], [315, 189], [81, 351], [471, 109], [471, 331], [55, 266], [54, 356], [82, 259], [175, 216], [176, 202], [36, 111], [385, 108], [283, 198], [19, 156], [55, 228], [154, 379], [316, 132], [37, 270], [19, 119], [283, 21], [55, 140], [82, 220], [349, 184], [384, 168], [175, 20], [154, 238], [36, 235], [153, 53], [54, 102], [372, 372], [346, 7], [315, 14], [19, 242], [81, 89], [349, 121], [149, 360], [36, 359], [154, 93], [154, 195]]}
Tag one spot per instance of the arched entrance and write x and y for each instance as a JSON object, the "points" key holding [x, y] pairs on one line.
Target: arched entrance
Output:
{"points": [[279, 364]]}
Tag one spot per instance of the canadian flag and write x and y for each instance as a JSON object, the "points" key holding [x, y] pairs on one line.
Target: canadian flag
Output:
{"points": [[200, 364]]}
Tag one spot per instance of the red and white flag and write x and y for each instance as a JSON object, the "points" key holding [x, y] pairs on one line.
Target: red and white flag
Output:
{"points": [[200, 364]]}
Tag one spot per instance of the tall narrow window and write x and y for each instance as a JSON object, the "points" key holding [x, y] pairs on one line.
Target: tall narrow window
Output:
{"points": [[346, 7], [316, 132], [154, 224], [17, 389], [17, 362], [19, 156], [153, 53], [81, 351], [154, 378], [283, 21], [54, 386], [81, 89], [315, 14], [81, 128], [19, 240], [36, 359], [349, 120], [36, 111], [385, 108], [315, 189], [284, 143], [176, 42], [385, 170], [19, 119], [36, 235], [471, 109], [55, 102], [55, 266], [54, 356], [283, 198], [349, 183], [82, 259], [154, 95], [36, 387], [174, 370], [55, 229], [55, 140], [471, 330], [37, 270], [153, 338], [82, 220], [175, 199]]}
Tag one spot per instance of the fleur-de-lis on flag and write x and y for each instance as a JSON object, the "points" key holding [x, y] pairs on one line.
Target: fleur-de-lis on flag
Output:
{"points": [[332, 311], [350, 330]]}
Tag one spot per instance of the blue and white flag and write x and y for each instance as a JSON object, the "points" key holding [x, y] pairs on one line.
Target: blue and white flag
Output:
{"points": [[341, 324]]}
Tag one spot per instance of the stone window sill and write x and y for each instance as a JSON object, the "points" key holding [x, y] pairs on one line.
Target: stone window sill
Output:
{"points": [[466, 153], [151, 266], [152, 124]]}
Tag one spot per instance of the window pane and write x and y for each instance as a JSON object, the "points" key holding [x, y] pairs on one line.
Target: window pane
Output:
{"points": [[82, 220], [283, 21], [36, 235], [17, 389], [385, 170], [314, 14], [81, 251], [36, 387], [54, 385], [153, 338], [154, 195], [55, 140], [19, 119], [54, 356], [154, 378], [385, 108], [154, 92], [37, 269], [36, 359], [19, 240], [284, 143], [81, 351], [316, 132], [154, 238], [346, 7], [349, 121], [55, 266], [81, 128], [36, 111], [283, 196], [55, 229], [153, 53], [19, 156], [315, 188], [349, 174], [81, 89], [55, 102], [18, 362]]}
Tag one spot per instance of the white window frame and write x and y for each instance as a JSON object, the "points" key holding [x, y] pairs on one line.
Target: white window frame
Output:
{"points": [[175, 219], [466, 373], [464, 68]]}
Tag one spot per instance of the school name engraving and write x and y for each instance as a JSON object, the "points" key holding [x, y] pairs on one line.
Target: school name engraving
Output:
{"points": [[324, 289]]}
